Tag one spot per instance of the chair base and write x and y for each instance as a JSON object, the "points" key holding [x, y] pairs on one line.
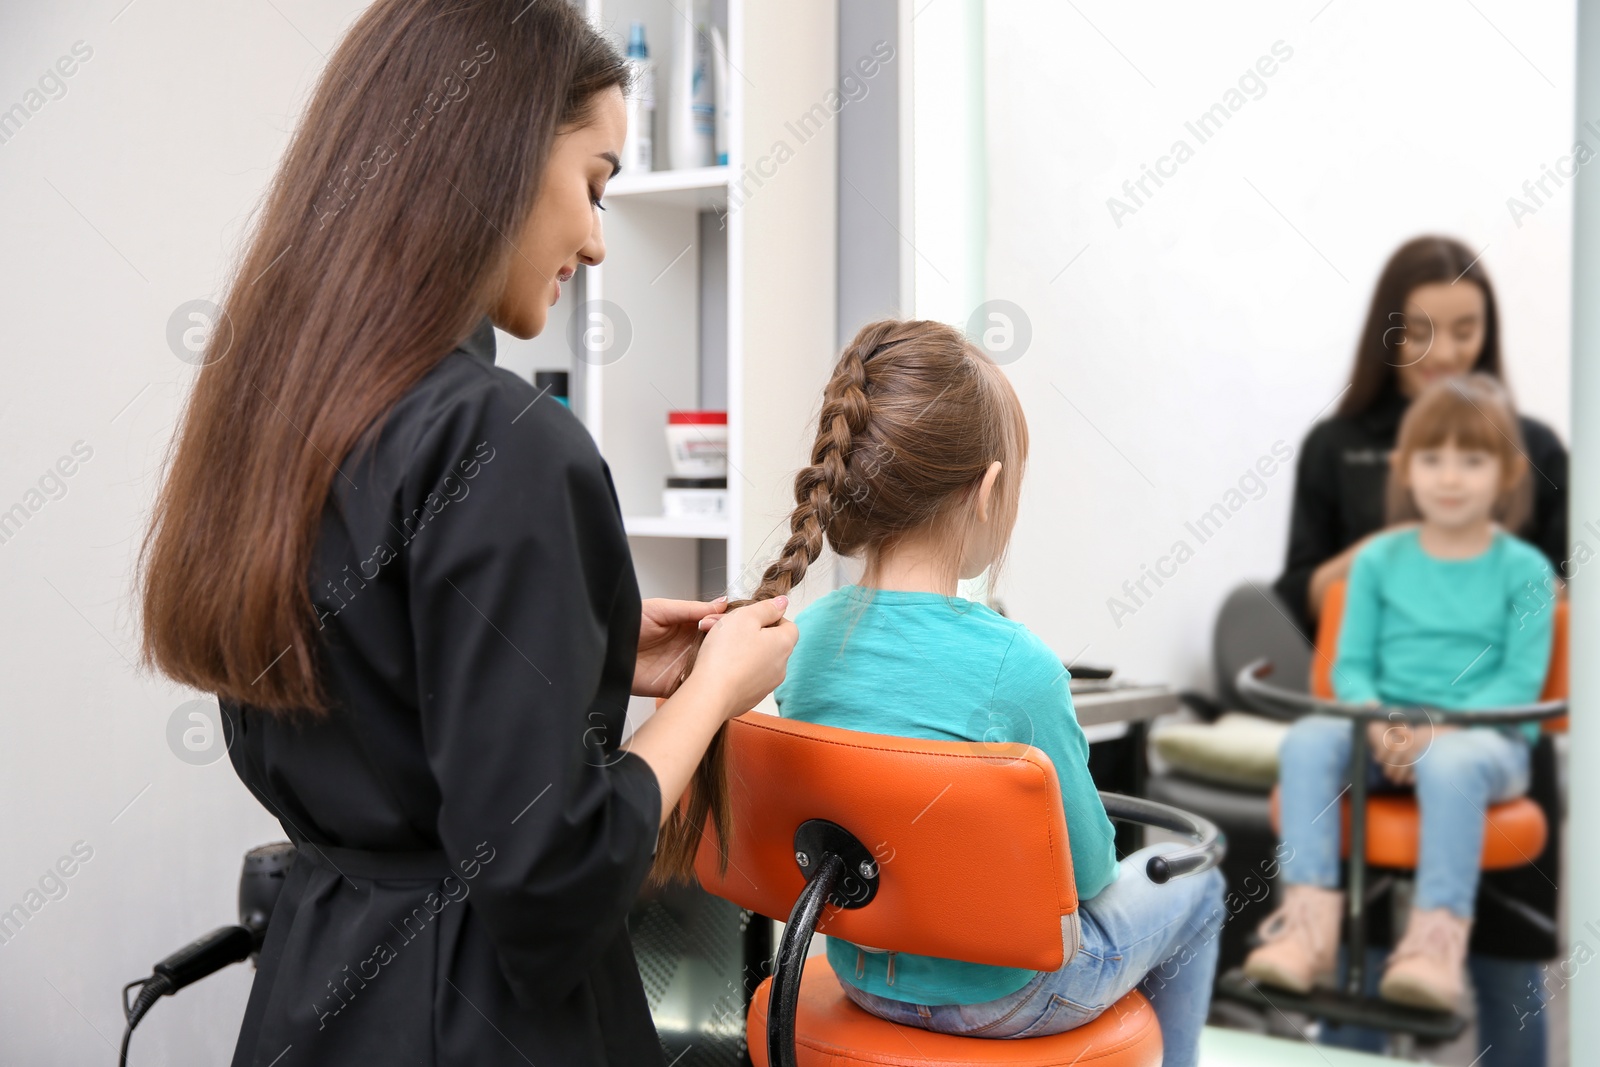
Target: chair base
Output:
{"points": [[1338, 1007], [833, 1032]]}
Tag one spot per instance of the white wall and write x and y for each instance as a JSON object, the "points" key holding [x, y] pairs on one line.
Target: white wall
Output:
{"points": [[122, 199], [1221, 316]]}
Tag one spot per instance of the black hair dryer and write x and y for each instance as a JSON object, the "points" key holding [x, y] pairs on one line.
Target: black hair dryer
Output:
{"points": [[260, 882], [265, 869]]}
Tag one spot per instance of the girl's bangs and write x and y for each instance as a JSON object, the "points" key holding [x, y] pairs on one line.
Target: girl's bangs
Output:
{"points": [[1455, 418]]}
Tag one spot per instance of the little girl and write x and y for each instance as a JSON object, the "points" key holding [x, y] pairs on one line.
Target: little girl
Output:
{"points": [[1450, 612], [916, 468]]}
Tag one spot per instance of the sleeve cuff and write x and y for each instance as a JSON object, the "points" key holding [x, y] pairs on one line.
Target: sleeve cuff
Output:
{"points": [[634, 780], [532, 978]]}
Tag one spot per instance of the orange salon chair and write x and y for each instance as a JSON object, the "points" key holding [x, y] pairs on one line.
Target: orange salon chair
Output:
{"points": [[1381, 831], [949, 849]]}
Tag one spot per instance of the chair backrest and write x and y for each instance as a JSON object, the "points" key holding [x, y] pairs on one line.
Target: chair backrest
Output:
{"points": [[1249, 625], [970, 838], [1555, 681], [1327, 649]]}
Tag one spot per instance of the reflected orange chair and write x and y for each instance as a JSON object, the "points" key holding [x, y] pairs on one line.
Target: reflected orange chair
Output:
{"points": [[949, 849], [1327, 650], [1385, 835], [1515, 831]]}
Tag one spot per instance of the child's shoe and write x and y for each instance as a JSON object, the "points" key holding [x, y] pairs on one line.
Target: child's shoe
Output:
{"points": [[1425, 969], [1301, 939]]}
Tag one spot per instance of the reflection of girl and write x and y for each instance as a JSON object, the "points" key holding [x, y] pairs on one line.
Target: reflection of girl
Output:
{"points": [[442, 712], [916, 468], [1451, 612], [1433, 315]]}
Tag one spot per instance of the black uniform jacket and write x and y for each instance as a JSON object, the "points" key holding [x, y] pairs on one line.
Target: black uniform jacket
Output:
{"points": [[1342, 478], [470, 837]]}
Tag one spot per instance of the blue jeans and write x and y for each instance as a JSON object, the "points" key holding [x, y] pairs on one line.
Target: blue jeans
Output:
{"points": [[1457, 778], [1162, 938]]}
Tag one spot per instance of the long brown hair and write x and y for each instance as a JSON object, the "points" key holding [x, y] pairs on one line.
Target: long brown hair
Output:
{"points": [[911, 419], [1473, 412], [1420, 261], [383, 239]]}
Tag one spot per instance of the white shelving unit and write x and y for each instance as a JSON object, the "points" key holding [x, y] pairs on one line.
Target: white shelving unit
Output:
{"points": [[724, 278], [661, 526], [702, 188]]}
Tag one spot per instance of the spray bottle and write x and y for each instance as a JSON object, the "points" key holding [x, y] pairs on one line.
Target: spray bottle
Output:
{"points": [[638, 150]]}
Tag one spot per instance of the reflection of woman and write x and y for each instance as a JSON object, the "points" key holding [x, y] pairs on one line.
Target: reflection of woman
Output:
{"points": [[405, 574], [1432, 315]]}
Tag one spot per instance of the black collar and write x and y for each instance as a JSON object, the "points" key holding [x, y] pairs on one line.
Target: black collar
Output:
{"points": [[480, 342]]}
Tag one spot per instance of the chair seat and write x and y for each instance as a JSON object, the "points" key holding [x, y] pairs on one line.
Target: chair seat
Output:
{"points": [[1514, 834], [833, 1032]]}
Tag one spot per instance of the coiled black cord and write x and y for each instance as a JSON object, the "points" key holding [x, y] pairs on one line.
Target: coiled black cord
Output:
{"points": [[151, 990], [265, 869]]}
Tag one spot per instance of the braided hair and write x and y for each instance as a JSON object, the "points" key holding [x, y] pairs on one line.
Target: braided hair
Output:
{"points": [[911, 419]]}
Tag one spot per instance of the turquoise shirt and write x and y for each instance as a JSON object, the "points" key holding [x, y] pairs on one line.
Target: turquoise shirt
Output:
{"points": [[944, 669], [1448, 633]]}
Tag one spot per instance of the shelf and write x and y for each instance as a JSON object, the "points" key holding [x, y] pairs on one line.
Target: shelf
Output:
{"points": [[702, 188], [660, 526], [695, 289]]}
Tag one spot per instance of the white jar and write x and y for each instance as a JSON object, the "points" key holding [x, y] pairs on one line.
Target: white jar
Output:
{"points": [[697, 442]]}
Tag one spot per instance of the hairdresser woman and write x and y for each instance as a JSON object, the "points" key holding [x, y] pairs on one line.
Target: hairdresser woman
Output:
{"points": [[1432, 316], [405, 574]]}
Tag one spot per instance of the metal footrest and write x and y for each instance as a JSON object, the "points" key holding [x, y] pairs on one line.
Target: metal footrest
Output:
{"points": [[1337, 1007]]}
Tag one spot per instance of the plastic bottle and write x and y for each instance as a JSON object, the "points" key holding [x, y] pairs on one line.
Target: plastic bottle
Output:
{"points": [[638, 148], [719, 55], [553, 382], [692, 109], [704, 101]]}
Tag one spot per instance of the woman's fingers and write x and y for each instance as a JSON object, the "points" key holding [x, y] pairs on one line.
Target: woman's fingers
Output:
{"points": [[746, 652], [768, 612], [762, 613], [675, 612]]}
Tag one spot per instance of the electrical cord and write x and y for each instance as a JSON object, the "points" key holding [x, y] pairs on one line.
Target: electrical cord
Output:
{"points": [[151, 990], [200, 957], [265, 870]]}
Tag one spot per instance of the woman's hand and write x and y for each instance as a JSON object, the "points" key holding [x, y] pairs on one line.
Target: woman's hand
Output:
{"points": [[741, 661], [668, 630], [745, 654]]}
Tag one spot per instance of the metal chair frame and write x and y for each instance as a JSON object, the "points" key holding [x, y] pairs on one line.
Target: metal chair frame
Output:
{"points": [[1351, 1005], [830, 879]]}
